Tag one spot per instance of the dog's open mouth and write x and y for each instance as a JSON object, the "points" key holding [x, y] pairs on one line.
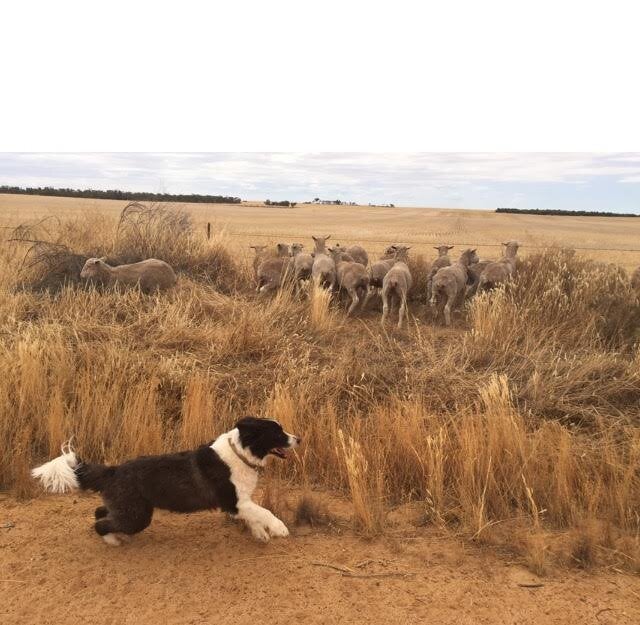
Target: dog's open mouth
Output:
{"points": [[281, 452]]}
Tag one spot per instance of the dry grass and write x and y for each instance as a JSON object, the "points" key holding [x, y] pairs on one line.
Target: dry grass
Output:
{"points": [[524, 420]]}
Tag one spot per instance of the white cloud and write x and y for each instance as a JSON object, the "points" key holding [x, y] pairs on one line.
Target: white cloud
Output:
{"points": [[403, 178]]}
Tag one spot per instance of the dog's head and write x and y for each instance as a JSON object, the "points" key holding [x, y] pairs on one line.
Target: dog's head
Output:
{"points": [[264, 437]]}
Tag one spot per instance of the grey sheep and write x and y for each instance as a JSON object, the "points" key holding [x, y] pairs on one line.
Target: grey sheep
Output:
{"points": [[475, 271], [359, 254], [443, 260], [151, 274], [396, 284], [351, 276], [302, 262], [501, 271], [449, 284], [323, 271], [635, 280], [378, 270]]}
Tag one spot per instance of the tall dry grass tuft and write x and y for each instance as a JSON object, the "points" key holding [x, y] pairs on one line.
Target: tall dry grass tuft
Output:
{"points": [[526, 423]]}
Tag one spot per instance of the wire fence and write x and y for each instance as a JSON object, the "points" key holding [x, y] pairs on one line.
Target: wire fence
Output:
{"points": [[285, 236]]}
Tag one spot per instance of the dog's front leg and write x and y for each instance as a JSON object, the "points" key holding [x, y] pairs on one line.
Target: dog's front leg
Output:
{"points": [[262, 523]]}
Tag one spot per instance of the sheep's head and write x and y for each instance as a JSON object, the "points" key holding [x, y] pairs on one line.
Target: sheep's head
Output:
{"points": [[320, 242], [401, 252], [282, 249], [469, 257], [296, 248], [512, 247], [94, 268], [390, 252], [443, 250], [258, 249]]}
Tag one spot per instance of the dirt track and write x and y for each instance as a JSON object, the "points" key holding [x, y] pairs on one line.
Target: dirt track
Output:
{"points": [[201, 568]]}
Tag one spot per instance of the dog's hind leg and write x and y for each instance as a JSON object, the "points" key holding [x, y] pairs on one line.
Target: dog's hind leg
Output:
{"points": [[133, 519], [101, 512]]}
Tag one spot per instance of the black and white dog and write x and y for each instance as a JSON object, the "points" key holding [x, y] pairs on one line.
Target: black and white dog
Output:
{"points": [[222, 475]]}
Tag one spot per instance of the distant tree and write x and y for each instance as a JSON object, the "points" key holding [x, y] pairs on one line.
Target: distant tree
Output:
{"points": [[267, 202], [316, 199], [115, 194]]}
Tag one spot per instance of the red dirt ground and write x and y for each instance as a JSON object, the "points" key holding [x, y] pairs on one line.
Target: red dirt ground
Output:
{"points": [[201, 568]]}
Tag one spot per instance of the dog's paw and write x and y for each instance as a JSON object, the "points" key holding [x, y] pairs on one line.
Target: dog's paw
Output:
{"points": [[278, 529], [112, 540], [260, 533]]}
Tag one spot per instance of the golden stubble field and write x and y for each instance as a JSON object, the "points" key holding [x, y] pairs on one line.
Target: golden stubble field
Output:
{"points": [[374, 227], [517, 430]]}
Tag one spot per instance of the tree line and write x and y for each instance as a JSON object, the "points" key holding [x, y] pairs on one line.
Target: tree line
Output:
{"points": [[556, 211], [115, 194]]}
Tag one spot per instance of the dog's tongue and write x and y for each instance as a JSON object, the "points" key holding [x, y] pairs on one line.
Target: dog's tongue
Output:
{"points": [[279, 451]]}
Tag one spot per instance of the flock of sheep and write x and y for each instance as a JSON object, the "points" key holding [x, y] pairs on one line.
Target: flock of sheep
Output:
{"points": [[340, 269], [348, 270]]}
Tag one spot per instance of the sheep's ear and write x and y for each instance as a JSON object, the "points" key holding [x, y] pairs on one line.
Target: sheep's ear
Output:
{"points": [[314, 238], [327, 237], [474, 249], [450, 247], [407, 248]]}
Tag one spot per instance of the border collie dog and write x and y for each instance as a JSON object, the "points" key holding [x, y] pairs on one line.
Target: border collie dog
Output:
{"points": [[221, 475]]}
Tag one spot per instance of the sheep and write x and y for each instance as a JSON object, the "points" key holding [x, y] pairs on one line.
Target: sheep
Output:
{"points": [[151, 274], [443, 260], [501, 271], [350, 276], [635, 280], [359, 254], [475, 271], [262, 253], [378, 270], [272, 273], [450, 283], [397, 282], [302, 262], [323, 270]]}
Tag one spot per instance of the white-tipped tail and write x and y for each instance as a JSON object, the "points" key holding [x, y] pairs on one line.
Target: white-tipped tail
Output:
{"points": [[58, 475]]}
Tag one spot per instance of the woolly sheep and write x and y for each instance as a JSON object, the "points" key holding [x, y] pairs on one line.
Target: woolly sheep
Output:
{"points": [[635, 279], [443, 260], [396, 283], [500, 272], [475, 271], [260, 254], [449, 283], [151, 274], [323, 270], [302, 262], [378, 270], [272, 273], [359, 254], [350, 276]]}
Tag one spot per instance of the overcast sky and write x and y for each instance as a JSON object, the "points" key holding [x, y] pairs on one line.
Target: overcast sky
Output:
{"points": [[468, 180]]}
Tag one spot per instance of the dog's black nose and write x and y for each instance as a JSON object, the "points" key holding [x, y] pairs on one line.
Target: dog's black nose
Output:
{"points": [[298, 440]]}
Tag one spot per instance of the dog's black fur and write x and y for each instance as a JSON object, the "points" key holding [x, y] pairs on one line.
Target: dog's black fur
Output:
{"points": [[182, 482]]}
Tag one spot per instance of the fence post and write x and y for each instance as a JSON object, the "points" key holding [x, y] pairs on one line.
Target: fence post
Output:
{"points": [[208, 230]]}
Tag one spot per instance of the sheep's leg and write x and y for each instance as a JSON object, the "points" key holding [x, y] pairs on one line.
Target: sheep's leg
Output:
{"points": [[370, 291], [447, 310], [429, 291], [402, 311], [385, 306], [353, 293]]}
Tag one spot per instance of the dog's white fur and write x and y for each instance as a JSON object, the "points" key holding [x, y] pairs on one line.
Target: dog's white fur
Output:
{"points": [[57, 475], [262, 523]]}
